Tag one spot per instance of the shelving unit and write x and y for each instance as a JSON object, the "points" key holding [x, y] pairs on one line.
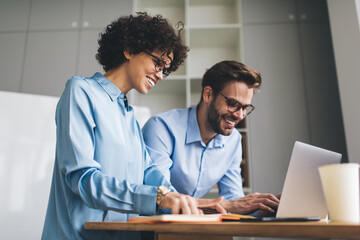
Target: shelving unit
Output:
{"points": [[213, 31]]}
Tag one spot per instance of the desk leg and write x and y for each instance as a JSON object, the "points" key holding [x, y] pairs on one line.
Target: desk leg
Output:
{"points": [[167, 236]]}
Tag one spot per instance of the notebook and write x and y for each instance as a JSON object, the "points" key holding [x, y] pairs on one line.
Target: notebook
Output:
{"points": [[210, 215], [177, 218], [302, 196]]}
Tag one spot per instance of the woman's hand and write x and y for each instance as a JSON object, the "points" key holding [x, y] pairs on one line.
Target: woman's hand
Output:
{"points": [[185, 204]]}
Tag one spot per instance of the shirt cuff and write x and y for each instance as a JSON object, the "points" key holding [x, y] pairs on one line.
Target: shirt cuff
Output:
{"points": [[145, 199]]}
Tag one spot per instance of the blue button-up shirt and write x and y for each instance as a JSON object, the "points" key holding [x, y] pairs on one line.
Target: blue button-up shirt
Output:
{"points": [[101, 163], [174, 142]]}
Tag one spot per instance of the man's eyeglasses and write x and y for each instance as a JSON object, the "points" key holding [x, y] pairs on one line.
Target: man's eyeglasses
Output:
{"points": [[234, 105], [159, 65]]}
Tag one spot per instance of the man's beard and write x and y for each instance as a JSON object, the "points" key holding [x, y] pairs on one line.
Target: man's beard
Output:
{"points": [[214, 119]]}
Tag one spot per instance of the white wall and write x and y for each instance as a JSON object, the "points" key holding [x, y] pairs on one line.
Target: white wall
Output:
{"points": [[345, 29], [27, 153]]}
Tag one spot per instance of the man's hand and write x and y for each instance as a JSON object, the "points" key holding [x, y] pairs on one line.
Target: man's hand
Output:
{"points": [[265, 202], [185, 204]]}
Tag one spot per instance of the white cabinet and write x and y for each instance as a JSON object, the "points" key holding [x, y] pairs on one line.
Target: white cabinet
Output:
{"points": [[12, 45], [87, 63], [273, 11], [54, 14], [213, 32], [325, 115], [50, 60], [14, 15], [281, 115], [310, 11], [76, 14], [98, 14], [45, 42], [299, 98]]}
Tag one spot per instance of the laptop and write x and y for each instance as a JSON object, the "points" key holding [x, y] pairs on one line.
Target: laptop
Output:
{"points": [[302, 197]]}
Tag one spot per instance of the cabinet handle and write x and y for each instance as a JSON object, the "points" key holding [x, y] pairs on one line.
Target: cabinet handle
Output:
{"points": [[303, 16], [74, 24], [86, 24], [291, 17]]}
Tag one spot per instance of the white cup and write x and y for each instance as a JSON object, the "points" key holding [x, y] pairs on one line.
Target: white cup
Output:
{"points": [[340, 183]]}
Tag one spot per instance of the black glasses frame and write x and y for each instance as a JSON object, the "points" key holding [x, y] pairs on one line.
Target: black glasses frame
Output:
{"points": [[239, 105], [157, 65]]}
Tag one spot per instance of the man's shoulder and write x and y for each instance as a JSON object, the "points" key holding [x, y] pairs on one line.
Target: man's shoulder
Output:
{"points": [[173, 116], [173, 122]]}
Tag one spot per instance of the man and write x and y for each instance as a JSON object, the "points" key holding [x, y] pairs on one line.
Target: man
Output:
{"points": [[197, 147]]}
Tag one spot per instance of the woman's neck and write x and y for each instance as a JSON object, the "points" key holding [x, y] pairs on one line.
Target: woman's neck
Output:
{"points": [[119, 78]]}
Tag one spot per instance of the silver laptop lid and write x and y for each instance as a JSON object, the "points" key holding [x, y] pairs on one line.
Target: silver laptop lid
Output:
{"points": [[302, 194]]}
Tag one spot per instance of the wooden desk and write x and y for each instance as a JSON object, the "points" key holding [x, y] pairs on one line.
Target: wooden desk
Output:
{"points": [[322, 229]]}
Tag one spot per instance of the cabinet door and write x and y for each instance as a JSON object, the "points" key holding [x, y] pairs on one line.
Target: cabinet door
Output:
{"points": [[265, 11], [98, 14], [310, 10], [12, 47], [49, 62], [281, 116], [325, 114], [88, 64], [14, 15], [55, 14]]}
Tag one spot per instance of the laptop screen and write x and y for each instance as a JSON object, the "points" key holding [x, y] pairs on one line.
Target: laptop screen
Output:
{"points": [[302, 194]]}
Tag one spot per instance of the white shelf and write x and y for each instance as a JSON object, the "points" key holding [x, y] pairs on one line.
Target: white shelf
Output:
{"points": [[174, 10], [203, 12], [209, 46], [176, 77]]}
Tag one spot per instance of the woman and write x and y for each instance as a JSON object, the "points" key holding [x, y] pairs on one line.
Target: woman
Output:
{"points": [[102, 171]]}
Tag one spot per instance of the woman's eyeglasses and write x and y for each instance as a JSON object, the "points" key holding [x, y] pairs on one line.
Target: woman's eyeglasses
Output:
{"points": [[234, 105], [159, 65]]}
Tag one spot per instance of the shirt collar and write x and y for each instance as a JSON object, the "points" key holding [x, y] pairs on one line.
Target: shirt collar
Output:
{"points": [[193, 131], [113, 91]]}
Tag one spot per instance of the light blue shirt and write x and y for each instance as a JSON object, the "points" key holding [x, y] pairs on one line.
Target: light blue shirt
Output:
{"points": [[173, 141], [101, 163]]}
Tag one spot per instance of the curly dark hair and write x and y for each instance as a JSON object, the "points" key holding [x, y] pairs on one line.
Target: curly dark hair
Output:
{"points": [[136, 34]]}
